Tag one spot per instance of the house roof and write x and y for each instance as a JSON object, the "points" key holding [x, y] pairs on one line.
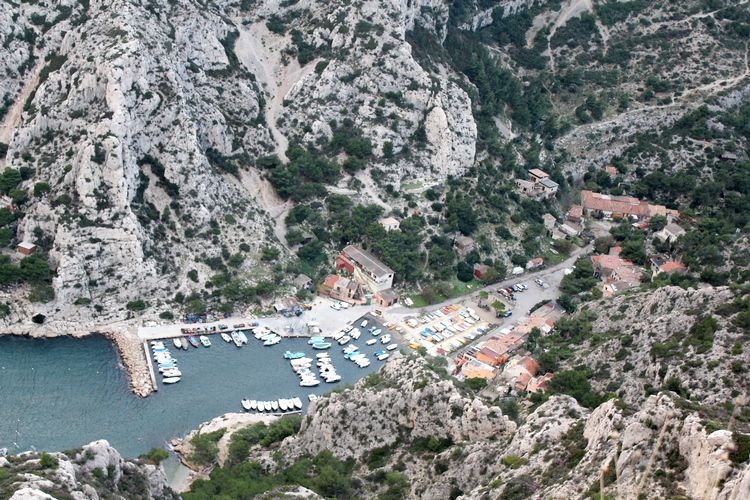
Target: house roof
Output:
{"points": [[674, 229], [331, 280], [575, 211], [536, 261], [671, 266], [366, 260], [301, 280], [464, 240], [549, 183], [387, 295], [538, 173], [27, 245], [622, 205], [389, 221], [610, 169]]}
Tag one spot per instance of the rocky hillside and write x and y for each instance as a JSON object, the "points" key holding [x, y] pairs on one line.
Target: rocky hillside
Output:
{"points": [[166, 158], [94, 471], [407, 432]]}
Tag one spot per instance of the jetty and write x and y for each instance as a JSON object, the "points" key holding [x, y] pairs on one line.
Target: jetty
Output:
{"points": [[147, 352]]}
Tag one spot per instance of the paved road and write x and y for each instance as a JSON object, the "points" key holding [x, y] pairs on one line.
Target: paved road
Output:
{"points": [[552, 275]]}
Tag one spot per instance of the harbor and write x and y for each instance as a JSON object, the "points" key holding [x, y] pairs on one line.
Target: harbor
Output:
{"points": [[72, 391]]}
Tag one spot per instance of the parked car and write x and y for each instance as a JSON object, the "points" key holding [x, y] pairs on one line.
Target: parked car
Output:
{"points": [[507, 314]]}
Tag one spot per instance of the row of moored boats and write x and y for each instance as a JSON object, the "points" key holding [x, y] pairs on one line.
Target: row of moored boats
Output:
{"points": [[165, 363], [284, 405]]}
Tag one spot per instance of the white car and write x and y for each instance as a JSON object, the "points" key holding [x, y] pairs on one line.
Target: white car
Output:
{"points": [[345, 305], [335, 306]]}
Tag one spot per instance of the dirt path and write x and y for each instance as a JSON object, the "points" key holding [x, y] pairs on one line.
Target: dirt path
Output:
{"points": [[261, 53], [573, 9], [13, 117], [369, 189], [267, 198]]}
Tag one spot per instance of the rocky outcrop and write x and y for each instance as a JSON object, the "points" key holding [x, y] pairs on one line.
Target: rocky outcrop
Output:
{"points": [[96, 470]]}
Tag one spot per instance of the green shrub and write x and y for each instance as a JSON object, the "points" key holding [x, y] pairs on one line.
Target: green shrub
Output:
{"points": [[513, 461], [137, 305], [155, 456], [47, 461], [205, 448]]}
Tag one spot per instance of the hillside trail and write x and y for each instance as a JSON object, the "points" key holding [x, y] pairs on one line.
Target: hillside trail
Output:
{"points": [[12, 118], [573, 9], [261, 52]]}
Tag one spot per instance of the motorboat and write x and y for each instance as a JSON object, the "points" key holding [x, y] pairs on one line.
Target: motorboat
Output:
{"points": [[204, 340], [293, 355], [260, 406], [267, 405], [364, 323], [356, 333], [385, 339], [275, 405], [177, 343], [297, 403], [322, 345], [350, 348], [282, 405], [272, 341], [172, 372], [309, 383], [193, 341], [391, 347], [236, 339], [184, 343], [243, 337], [343, 340], [333, 378], [311, 398], [316, 339], [338, 335], [170, 380], [267, 336], [381, 355], [322, 355], [246, 404], [253, 404], [377, 332], [157, 343], [226, 337], [371, 342]]}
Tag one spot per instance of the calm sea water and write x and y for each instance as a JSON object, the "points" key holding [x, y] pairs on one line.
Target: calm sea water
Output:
{"points": [[57, 394]]}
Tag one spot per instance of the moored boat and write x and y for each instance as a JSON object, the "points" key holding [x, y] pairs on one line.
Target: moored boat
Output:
{"points": [[371, 342], [385, 339], [267, 405], [246, 404], [293, 355], [391, 347], [184, 343], [272, 341], [193, 341], [321, 345], [283, 405], [243, 337], [355, 334], [309, 382], [204, 340], [226, 337], [275, 405], [177, 343], [297, 403], [253, 404], [343, 340], [170, 380]]}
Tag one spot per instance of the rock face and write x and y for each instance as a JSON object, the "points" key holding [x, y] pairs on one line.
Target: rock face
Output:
{"points": [[96, 470], [145, 121], [650, 337]]}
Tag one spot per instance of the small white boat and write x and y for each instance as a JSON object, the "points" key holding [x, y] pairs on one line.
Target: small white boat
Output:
{"points": [[282, 405], [236, 339], [371, 342], [243, 337], [310, 397], [377, 332], [309, 383], [356, 333], [177, 343], [246, 404], [226, 337], [267, 336], [338, 335], [272, 341], [343, 340], [184, 343], [297, 403], [253, 404], [170, 380], [322, 355], [385, 339], [172, 372], [391, 347], [364, 323], [275, 405], [382, 356], [333, 378], [350, 348], [260, 406], [204, 340], [267, 405]]}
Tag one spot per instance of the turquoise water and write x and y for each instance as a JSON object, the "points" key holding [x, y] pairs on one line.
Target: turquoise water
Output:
{"points": [[57, 394]]}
